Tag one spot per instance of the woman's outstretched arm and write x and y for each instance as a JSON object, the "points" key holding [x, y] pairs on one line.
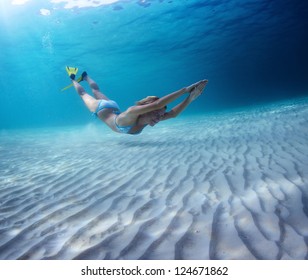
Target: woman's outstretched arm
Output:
{"points": [[195, 93], [163, 101]]}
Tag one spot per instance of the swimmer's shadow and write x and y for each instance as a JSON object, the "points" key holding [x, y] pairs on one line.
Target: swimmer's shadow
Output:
{"points": [[161, 143], [147, 144]]}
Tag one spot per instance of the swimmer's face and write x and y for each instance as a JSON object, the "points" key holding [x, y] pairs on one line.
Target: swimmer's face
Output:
{"points": [[152, 118]]}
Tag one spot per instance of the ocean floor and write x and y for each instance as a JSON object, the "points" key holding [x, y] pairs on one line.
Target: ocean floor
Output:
{"points": [[230, 186]]}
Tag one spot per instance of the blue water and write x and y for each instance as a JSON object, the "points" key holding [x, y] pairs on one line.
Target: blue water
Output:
{"points": [[251, 51], [225, 180]]}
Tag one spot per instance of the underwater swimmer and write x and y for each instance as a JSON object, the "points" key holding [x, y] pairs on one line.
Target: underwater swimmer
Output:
{"points": [[148, 111]]}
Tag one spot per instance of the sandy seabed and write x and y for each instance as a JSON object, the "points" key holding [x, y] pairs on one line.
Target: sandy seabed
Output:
{"points": [[230, 186]]}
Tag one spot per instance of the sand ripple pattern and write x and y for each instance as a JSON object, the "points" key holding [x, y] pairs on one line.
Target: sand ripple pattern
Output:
{"points": [[233, 186]]}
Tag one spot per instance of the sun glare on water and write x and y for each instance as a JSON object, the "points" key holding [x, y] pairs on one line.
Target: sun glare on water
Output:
{"points": [[83, 3], [19, 2], [72, 3]]}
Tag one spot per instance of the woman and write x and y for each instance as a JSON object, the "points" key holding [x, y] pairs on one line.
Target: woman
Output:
{"points": [[148, 111]]}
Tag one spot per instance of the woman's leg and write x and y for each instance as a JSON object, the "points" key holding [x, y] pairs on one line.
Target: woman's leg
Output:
{"points": [[88, 100], [95, 89]]}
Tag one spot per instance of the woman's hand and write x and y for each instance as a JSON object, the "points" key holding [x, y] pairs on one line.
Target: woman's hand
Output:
{"points": [[196, 89], [195, 85]]}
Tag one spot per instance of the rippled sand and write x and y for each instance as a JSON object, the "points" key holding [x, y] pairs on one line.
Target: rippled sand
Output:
{"points": [[233, 186]]}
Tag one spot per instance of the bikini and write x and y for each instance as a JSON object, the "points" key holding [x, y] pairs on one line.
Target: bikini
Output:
{"points": [[110, 104]]}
